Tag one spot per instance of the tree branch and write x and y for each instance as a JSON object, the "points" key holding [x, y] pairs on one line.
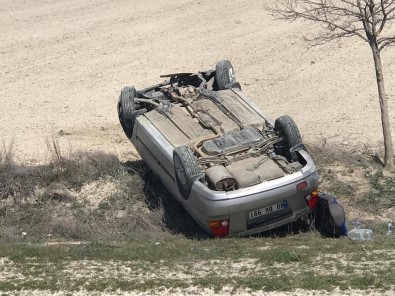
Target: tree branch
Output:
{"points": [[366, 25], [365, 19], [335, 18], [385, 14], [388, 41]]}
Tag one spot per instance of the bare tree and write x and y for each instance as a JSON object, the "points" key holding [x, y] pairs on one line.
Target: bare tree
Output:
{"points": [[366, 19]]}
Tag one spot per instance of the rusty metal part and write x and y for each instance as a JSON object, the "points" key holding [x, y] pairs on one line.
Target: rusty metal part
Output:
{"points": [[221, 178], [200, 141], [268, 143], [208, 122], [196, 113], [147, 101], [212, 160], [176, 97]]}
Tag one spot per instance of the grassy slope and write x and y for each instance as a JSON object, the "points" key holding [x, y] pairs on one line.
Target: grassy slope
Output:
{"points": [[140, 239]]}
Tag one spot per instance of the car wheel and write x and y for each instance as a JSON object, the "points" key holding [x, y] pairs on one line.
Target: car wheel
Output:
{"points": [[224, 74], [286, 128], [186, 169], [126, 109]]}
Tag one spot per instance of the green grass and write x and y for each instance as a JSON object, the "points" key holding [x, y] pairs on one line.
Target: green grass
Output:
{"points": [[304, 261]]}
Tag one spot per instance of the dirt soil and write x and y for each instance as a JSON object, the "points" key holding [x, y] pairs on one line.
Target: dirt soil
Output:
{"points": [[63, 64]]}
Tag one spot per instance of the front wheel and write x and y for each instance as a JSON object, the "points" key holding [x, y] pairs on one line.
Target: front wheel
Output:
{"points": [[286, 128], [186, 169], [126, 109], [224, 74]]}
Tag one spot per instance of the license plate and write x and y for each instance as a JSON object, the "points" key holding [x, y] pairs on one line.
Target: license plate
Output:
{"points": [[270, 209]]}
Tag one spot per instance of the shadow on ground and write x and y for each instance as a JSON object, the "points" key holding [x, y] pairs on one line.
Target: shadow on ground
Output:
{"points": [[175, 218]]}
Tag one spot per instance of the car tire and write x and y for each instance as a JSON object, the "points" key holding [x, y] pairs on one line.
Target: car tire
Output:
{"points": [[286, 128], [126, 109], [224, 74], [186, 169]]}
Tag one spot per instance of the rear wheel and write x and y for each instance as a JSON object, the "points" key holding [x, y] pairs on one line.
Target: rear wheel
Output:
{"points": [[224, 74], [286, 128], [186, 169], [126, 109]]}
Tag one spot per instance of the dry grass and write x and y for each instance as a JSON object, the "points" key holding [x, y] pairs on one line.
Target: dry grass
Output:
{"points": [[356, 177], [52, 199], [92, 196], [6, 156]]}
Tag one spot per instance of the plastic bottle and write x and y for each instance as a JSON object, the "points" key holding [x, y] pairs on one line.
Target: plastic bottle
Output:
{"points": [[357, 224], [390, 227], [360, 234]]}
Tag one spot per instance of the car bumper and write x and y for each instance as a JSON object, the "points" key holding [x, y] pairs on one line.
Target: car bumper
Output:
{"points": [[207, 205]]}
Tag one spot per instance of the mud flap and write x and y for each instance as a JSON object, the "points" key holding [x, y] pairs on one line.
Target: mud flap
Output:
{"points": [[330, 218]]}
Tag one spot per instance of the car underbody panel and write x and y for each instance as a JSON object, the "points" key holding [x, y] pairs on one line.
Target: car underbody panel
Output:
{"points": [[228, 112]]}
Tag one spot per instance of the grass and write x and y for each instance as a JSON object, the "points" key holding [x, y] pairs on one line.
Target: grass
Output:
{"points": [[381, 194], [84, 196], [357, 178], [136, 237], [294, 262]]}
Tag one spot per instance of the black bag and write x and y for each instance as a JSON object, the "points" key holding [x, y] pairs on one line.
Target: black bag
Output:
{"points": [[330, 218]]}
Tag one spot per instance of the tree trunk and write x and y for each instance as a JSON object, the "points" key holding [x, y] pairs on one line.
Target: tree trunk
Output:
{"points": [[388, 150]]}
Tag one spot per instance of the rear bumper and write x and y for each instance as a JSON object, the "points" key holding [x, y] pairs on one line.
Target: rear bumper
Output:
{"points": [[207, 205]]}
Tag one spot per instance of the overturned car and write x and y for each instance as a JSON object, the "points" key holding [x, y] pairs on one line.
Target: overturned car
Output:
{"points": [[233, 169]]}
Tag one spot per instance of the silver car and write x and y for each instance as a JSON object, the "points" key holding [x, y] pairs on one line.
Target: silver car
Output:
{"points": [[233, 169]]}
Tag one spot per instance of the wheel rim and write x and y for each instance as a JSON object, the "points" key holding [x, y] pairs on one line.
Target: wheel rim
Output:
{"points": [[232, 76]]}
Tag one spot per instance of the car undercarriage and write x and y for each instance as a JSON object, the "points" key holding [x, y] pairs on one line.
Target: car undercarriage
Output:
{"points": [[208, 143]]}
